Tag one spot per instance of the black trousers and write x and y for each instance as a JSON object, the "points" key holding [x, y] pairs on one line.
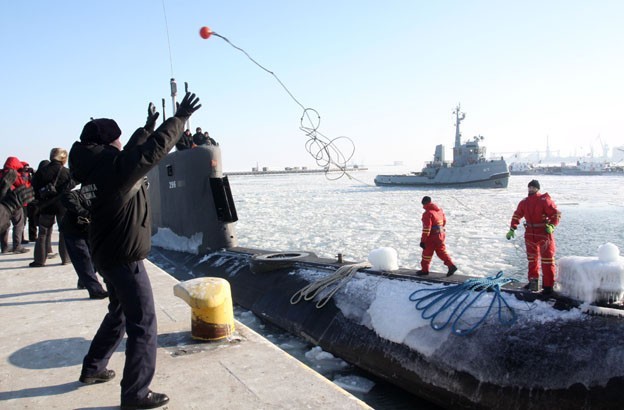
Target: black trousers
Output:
{"points": [[131, 308], [17, 219], [32, 216], [80, 256], [43, 244]]}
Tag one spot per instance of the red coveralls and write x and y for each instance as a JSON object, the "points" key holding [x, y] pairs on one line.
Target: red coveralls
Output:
{"points": [[433, 221], [537, 211]]}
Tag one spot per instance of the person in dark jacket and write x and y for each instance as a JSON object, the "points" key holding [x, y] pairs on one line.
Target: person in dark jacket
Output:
{"points": [[199, 138], [33, 212], [50, 208], [12, 200], [114, 180], [75, 230], [186, 141]]}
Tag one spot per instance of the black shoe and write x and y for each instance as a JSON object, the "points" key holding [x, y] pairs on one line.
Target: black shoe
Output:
{"points": [[101, 377], [151, 401], [421, 273], [80, 285], [25, 242], [35, 265], [451, 270], [99, 295]]}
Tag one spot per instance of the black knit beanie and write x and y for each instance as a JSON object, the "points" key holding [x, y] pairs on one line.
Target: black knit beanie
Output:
{"points": [[100, 131], [535, 183]]}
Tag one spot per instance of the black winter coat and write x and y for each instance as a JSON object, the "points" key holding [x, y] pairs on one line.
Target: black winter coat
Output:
{"points": [[185, 142], [77, 217], [115, 183], [64, 183]]}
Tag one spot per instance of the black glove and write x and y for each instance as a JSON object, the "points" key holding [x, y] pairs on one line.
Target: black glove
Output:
{"points": [[422, 245], [13, 200], [188, 106], [7, 180], [152, 116], [9, 177]]}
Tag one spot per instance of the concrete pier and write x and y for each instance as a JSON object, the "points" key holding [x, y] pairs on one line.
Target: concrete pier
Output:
{"points": [[47, 325]]}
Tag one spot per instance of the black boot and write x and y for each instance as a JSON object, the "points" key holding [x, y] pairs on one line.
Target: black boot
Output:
{"points": [[101, 377], [451, 270], [151, 401], [533, 285], [547, 290]]}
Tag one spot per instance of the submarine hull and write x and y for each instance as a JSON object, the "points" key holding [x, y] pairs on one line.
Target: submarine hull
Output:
{"points": [[496, 367]]}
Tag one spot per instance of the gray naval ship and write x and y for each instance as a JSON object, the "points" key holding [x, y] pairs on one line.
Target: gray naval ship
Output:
{"points": [[469, 169]]}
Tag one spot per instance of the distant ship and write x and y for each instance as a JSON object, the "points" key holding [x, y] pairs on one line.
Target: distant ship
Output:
{"points": [[581, 168], [469, 168]]}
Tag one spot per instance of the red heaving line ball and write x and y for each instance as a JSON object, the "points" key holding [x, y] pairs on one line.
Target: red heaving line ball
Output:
{"points": [[205, 32]]}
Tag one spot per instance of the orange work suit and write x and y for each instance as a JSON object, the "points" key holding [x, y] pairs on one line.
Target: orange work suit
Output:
{"points": [[433, 235], [537, 211]]}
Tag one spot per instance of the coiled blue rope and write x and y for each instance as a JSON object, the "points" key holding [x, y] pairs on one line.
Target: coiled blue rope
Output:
{"points": [[443, 305]]}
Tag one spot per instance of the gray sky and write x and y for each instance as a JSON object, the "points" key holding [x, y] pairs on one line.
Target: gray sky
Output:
{"points": [[385, 74]]}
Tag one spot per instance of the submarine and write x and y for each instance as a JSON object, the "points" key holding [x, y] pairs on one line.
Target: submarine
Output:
{"points": [[533, 351]]}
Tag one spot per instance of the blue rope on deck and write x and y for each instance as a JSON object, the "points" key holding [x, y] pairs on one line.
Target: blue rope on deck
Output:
{"points": [[448, 304]]}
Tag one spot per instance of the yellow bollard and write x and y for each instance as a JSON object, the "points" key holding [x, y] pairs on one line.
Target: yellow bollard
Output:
{"points": [[212, 313]]}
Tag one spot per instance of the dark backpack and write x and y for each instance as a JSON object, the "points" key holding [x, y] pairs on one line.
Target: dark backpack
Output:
{"points": [[49, 190]]}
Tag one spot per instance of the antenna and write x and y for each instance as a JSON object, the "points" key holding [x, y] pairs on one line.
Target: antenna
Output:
{"points": [[186, 90], [174, 92]]}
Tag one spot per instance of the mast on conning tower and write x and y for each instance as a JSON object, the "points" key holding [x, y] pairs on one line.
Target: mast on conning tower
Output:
{"points": [[459, 117]]}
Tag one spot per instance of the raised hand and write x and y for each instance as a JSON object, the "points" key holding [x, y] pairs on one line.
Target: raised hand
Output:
{"points": [[190, 104]]}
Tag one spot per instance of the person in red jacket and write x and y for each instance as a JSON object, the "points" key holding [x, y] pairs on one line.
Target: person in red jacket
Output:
{"points": [[433, 236], [17, 218], [540, 218]]}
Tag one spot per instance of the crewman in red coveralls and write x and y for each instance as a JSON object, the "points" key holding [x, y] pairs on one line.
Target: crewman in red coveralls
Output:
{"points": [[17, 218], [433, 236], [540, 218]]}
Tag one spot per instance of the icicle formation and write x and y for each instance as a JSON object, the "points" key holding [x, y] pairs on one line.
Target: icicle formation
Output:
{"points": [[324, 150], [593, 279]]}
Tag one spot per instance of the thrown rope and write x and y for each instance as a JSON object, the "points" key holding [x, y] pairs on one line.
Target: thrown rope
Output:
{"points": [[454, 301], [328, 286]]}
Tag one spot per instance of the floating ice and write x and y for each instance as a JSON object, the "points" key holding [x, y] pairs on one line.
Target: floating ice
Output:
{"points": [[354, 384], [384, 259]]}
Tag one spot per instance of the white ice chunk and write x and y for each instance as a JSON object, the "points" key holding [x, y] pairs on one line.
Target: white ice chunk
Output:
{"points": [[165, 238], [608, 252], [354, 384], [592, 279], [385, 258]]}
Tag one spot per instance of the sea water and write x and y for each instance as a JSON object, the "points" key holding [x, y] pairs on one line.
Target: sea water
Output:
{"points": [[351, 216]]}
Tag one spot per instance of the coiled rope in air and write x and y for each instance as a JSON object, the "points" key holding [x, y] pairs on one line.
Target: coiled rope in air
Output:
{"points": [[449, 304], [328, 285]]}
